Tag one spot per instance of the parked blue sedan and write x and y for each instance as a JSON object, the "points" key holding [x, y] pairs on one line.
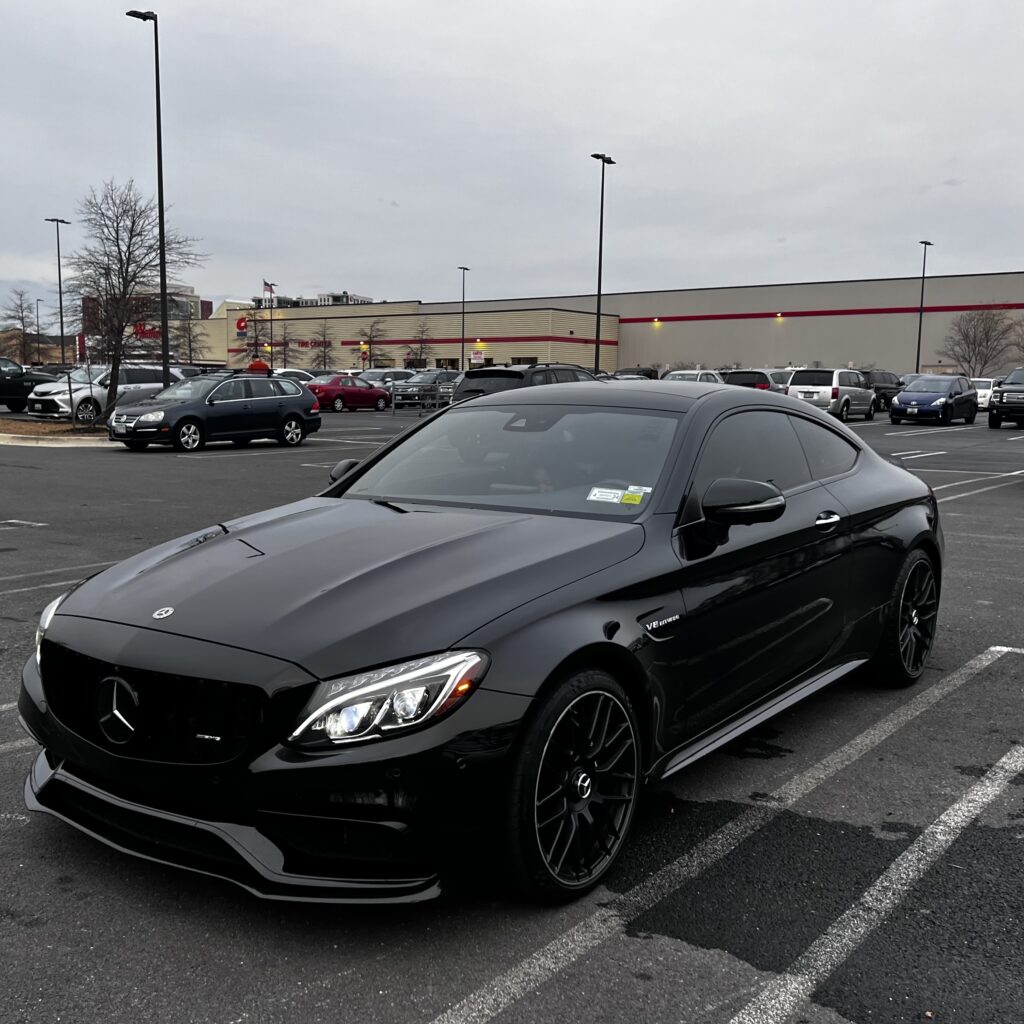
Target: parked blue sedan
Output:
{"points": [[939, 397]]}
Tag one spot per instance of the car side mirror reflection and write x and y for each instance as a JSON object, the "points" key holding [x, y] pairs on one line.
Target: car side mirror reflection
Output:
{"points": [[343, 467], [730, 502]]}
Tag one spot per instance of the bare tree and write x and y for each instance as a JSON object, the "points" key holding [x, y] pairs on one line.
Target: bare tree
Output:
{"points": [[115, 274], [368, 336], [285, 341], [256, 335], [682, 364], [981, 340], [188, 337], [321, 358], [19, 315], [420, 350]]}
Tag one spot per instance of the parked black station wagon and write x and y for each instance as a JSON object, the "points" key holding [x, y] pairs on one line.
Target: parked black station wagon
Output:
{"points": [[480, 642], [238, 407]]}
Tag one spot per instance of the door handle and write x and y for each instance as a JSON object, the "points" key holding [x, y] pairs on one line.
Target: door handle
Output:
{"points": [[827, 520]]}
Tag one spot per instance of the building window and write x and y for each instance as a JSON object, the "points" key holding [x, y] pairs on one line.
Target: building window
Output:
{"points": [[523, 360]]}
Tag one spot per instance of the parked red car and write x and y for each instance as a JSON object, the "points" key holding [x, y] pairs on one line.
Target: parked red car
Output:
{"points": [[340, 391]]}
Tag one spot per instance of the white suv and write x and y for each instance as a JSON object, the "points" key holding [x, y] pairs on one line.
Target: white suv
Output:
{"points": [[84, 394]]}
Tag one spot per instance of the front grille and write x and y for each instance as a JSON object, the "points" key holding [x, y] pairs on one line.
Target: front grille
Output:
{"points": [[1015, 397], [176, 719], [43, 405], [128, 421]]}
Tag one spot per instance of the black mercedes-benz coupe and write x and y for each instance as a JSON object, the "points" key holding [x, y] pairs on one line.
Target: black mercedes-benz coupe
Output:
{"points": [[479, 643]]}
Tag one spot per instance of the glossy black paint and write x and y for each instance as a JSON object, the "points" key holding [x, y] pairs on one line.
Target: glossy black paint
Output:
{"points": [[17, 383], [708, 626]]}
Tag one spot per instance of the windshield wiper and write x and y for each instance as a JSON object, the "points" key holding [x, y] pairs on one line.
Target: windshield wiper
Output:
{"points": [[387, 504]]}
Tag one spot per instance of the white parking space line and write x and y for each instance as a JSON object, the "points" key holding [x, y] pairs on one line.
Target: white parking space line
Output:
{"points": [[924, 455], [561, 952], [972, 480], [7, 707], [1019, 437], [17, 524], [979, 472], [930, 430], [40, 586], [910, 452], [782, 996], [50, 572], [982, 490]]}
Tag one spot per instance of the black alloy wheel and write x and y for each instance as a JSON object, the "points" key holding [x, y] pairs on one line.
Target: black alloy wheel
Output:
{"points": [[909, 630], [381, 403], [136, 446], [188, 436], [947, 416], [291, 433], [338, 405], [575, 786], [972, 415], [995, 421]]}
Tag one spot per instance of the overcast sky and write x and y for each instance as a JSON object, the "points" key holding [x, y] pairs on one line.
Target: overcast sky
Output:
{"points": [[375, 145]]}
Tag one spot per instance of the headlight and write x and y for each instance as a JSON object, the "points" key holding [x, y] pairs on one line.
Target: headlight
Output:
{"points": [[939, 401], [372, 704], [896, 400], [44, 623], [151, 417]]}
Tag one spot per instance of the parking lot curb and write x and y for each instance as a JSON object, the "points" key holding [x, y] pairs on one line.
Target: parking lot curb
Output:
{"points": [[51, 442]]}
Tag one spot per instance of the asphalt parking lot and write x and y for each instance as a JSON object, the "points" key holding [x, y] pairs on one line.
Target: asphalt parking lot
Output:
{"points": [[856, 859]]}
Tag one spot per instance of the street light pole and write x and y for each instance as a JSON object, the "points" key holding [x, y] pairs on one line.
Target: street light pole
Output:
{"points": [[56, 222], [270, 311], [38, 360], [920, 305], [165, 341], [462, 347], [605, 161]]}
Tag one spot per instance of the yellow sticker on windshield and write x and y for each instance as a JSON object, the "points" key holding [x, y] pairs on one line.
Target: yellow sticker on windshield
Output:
{"points": [[632, 499]]}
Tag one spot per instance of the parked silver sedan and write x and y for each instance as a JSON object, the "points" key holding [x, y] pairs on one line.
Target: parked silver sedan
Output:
{"points": [[844, 393]]}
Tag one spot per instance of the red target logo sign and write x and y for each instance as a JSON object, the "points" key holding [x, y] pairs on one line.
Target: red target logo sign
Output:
{"points": [[241, 325]]}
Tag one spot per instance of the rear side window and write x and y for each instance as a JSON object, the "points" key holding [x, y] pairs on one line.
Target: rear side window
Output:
{"points": [[827, 453], [489, 383], [230, 391], [747, 378], [262, 388], [565, 376], [811, 378], [782, 377], [752, 446], [286, 387]]}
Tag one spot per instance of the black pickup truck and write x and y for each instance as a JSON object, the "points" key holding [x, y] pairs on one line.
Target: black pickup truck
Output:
{"points": [[1007, 401], [16, 383]]}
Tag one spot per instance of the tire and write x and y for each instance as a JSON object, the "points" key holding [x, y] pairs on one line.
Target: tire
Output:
{"points": [[568, 813], [995, 421], [338, 405], [894, 420], [136, 446], [292, 432], [241, 442], [15, 405], [870, 414], [909, 626], [87, 411], [972, 415], [947, 416], [189, 436], [381, 404]]}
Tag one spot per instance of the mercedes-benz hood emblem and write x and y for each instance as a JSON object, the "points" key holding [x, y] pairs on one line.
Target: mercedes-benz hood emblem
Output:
{"points": [[162, 613]]}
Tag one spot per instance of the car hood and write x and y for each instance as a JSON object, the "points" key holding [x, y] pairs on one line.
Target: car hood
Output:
{"points": [[149, 404], [61, 387], [338, 585]]}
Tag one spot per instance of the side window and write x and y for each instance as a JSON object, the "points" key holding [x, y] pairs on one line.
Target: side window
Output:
{"points": [[827, 453], [565, 376], [122, 378], [286, 386], [360, 383], [230, 391], [582, 375], [779, 378], [846, 379], [542, 377], [752, 446], [345, 382], [262, 387]]}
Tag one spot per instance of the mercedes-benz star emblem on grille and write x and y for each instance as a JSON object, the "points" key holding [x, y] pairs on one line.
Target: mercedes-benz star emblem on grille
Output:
{"points": [[118, 705], [162, 613]]}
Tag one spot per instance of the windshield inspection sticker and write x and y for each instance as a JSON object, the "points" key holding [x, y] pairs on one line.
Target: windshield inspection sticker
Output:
{"points": [[632, 498], [605, 494]]}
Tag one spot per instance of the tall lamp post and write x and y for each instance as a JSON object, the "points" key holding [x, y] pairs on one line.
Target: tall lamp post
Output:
{"points": [[271, 285], [38, 360], [165, 341], [462, 347], [920, 306], [56, 222], [605, 161]]}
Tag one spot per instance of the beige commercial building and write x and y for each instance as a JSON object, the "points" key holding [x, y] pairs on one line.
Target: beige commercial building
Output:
{"points": [[870, 322]]}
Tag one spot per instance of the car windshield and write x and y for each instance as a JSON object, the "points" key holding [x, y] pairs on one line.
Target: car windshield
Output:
{"points": [[1014, 376], [189, 388], [374, 375], [982, 384], [930, 384], [84, 376], [489, 382], [539, 458], [324, 378], [811, 378]]}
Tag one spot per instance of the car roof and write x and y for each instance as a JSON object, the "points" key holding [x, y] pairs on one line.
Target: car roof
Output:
{"points": [[651, 394]]}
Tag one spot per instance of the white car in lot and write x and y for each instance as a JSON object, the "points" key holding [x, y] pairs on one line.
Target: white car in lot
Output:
{"points": [[983, 385], [83, 394]]}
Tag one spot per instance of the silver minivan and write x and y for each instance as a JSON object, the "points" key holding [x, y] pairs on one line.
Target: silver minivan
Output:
{"points": [[844, 393]]}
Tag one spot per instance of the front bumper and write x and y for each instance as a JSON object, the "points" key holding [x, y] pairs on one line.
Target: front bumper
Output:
{"points": [[373, 823], [916, 412], [50, 407]]}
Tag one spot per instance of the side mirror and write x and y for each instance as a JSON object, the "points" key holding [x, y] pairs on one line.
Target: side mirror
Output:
{"points": [[901, 383], [997, 383], [388, 380], [730, 502], [343, 467]]}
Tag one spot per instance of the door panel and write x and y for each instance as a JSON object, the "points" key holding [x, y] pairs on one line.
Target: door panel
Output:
{"points": [[227, 415]]}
